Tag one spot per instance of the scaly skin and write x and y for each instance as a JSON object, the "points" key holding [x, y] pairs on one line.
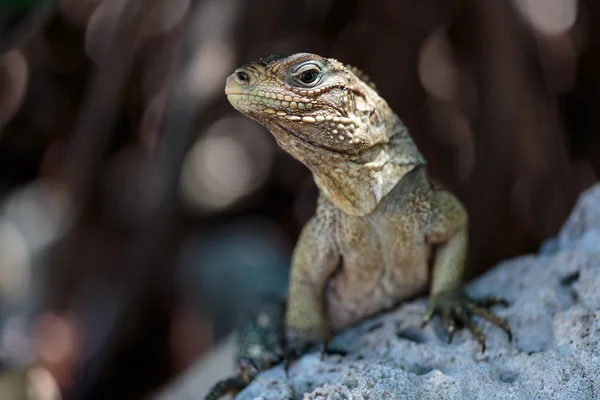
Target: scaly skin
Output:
{"points": [[380, 225], [259, 346]]}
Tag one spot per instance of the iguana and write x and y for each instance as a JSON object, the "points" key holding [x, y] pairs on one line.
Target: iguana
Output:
{"points": [[381, 233]]}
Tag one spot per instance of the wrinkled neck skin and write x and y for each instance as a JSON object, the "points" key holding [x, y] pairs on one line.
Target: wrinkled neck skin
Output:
{"points": [[356, 183]]}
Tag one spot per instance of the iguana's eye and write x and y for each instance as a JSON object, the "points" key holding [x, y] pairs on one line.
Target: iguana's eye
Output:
{"points": [[308, 75]]}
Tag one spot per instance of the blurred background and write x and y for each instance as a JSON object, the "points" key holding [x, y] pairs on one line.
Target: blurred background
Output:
{"points": [[140, 215]]}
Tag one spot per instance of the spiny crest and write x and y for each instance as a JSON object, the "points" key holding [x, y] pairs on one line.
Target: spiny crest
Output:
{"points": [[362, 76], [271, 58]]}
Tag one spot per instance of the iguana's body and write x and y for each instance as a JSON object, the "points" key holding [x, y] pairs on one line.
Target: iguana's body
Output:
{"points": [[381, 233], [370, 263]]}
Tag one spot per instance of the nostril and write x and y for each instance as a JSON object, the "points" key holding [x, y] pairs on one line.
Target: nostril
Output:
{"points": [[242, 77]]}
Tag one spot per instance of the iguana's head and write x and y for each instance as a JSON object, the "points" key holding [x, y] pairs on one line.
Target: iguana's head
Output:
{"points": [[331, 120], [314, 99]]}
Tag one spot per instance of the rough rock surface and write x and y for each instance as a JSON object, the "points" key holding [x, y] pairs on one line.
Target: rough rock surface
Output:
{"points": [[554, 312]]}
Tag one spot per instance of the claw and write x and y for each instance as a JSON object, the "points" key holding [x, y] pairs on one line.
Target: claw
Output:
{"points": [[227, 386], [287, 361], [428, 315], [455, 307], [451, 329], [292, 353], [449, 323], [246, 362], [329, 351], [247, 369], [286, 367], [494, 319], [296, 350], [322, 350], [491, 301], [271, 360], [464, 318]]}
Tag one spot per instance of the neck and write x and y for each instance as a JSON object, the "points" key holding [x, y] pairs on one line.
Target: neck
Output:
{"points": [[356, 184]]}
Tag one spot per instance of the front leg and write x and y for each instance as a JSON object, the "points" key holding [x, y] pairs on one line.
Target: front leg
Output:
{"points": [[448, 232], [314, 261]]}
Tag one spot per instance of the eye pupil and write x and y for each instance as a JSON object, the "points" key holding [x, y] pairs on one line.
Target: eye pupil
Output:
{"points": [[309, 76]]}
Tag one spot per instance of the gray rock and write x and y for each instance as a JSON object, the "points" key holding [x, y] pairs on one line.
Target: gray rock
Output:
{"points": [[554, 313], [582, 229]]}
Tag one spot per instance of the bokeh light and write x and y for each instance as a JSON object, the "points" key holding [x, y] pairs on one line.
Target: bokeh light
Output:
{"points": [[228, 163], [437, 71], [549, 17], [15, 266], [109, 16], [162, 16], [78, 12], [14, 74]]}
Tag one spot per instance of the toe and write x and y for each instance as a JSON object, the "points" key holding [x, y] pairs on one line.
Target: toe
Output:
{"points": [[492, 301], [226, 386], [428, 315], [494, 319], [291, 355], [449, 323], [451, 330], [475, 330]]}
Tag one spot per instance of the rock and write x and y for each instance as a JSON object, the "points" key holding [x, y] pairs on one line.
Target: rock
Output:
{"points": [[554, 312], [582, 229]]}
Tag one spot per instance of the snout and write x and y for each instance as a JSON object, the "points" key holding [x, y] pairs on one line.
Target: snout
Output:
{"points": [[237, 82]]}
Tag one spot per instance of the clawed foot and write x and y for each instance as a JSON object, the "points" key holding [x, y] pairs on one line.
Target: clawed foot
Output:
{"points": [[246, 371], [230, 386], [297, 348], [457, 309]]}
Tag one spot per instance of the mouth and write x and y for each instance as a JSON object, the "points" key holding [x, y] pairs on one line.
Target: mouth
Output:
{"points": [[233, 88], [229, 91], [235, 99], [310, 142], [291, 132]]}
